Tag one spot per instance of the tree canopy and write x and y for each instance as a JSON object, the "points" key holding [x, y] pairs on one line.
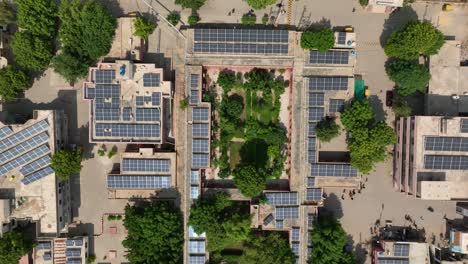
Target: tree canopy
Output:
{"points": [[409, 77], [329, 241], [12, 82], [13, 246], [233, 107], [173, 18], [155, 233], [66, 163], [70, 67], [415, 39], [260, 4], [401, 107], [193, 4], [227, 79], [327, 129], [369, 139], [143, 27], [322, 40], [269, 249], [37, 16], [250, 180], [32, 52], [7, 13], [221, 220]]}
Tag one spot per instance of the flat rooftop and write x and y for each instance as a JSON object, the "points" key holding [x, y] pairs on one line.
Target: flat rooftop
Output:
{"points": [[27, 181], [129, 103], [61, 251], [403, 253]]}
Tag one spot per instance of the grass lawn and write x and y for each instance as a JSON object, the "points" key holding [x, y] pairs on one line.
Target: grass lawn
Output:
{"points": [[264, 110], [234, 153]]}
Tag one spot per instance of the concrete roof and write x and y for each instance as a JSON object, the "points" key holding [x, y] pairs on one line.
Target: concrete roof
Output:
{"points": [[418, 252]]}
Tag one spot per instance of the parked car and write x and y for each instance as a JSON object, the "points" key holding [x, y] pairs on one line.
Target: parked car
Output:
{"points": [[389, 98]]}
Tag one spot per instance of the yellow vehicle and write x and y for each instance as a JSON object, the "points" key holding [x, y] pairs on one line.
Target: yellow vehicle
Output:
{"points": [[448, 7], [349, 29]]}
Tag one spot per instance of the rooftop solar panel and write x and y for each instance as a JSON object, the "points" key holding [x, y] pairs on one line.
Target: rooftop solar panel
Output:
{"points": [[35, 165], [241, 35], [200, 130], [120, 130], [311, 144], [138, 181], [47, 256], [23, 147], [151, 79], [445, 162], [147, 114], [145, 165], [281, 198], [43, 245], [156, 99], [194, 98], [316, 99], [16, 138], [446, 143], [113, 103], [312, 157], [279, 224], [194, 192], [90, 93], [314, 194], [74, 261], [311, 220], [37, 175], [311, 129], [383, 260], [333, 170], [329, 57], [194, 78], [24, 159], [310, 181], [295, 248], [72, 252], [5, 131], [194, 176], [143, 100], [401, 250], [268, 219], [341, 38], [464, 126], [200, 146], [316, 114], [200, 114], [127, 114], [196, 246], [336, 105], [107, 114], [104, 76], [200, 160], [290, 212], [107, 91], [295, 232], [197, 259], [328, 83]]}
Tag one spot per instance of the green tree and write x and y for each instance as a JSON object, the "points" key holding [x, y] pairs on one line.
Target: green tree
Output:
{"points": [[248, 20], [227, 79], [31, 52], [232, 107], [265, 19], [70, 67], [322, 40], [37, 16], [155, 233], [143, 27], [327, 129], [250, 181], [193, 4], [66, 163], [415, 39], [358, 115], [409, 77], [401, 108], [173, 18], [193, 19], [329, 241], [260, 4], [270, 249], [219, 218], [7, 13], [363, 3], [13, 246], [87, 28], [12, 82]]}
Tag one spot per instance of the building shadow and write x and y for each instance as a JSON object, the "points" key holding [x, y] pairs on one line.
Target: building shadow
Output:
{"points": [[396, 21], [86, 229]]}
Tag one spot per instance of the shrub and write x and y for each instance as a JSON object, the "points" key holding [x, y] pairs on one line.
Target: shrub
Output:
{"points": [[321, 40], [248, 20], [101, 152], [401, 108], [249, 180], [193, 19], [192, 4], [227, 79], [173, 18], [409, 77], [143, 27], [112, 152], [265, 19], [327, 129], [184, 103], [260, 4], [91, 258], [67, 162], [364, 3]]}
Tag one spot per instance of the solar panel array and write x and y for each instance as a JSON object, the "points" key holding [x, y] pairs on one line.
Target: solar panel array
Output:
{"points": [[383, 260], [90, 93], [200, 160], [73, 252], [105, 76], [279, 224], [316, 114], [401, 250], [194, 176], [314, 194], [156, 99], [138, 181], [120, 130], [151, 79], [24, 159], [107, 114], [196, 259], [47, 256], [200, 130], [328, 83], [43, 245], [464, 126], [23, 134], [445, 162], [329, 57], [295, 248], [78, 242], [196, 246], [281, 198], [268, 219], [194, 192], [316, 99], [341, 38], [23, 147], [240, 41], [336, 105], [200, 145], [295, 233], [107, 91], [37, 175], [311, 129], [74, 261], [194, 97], [194, 86], [446, 143], [107, 103], [142, 100], [5, 131], [35, 165], [290, 212], [336, 170], [147, 114], [310, 181], [200, 114], [145, 165], [200, 137], [310, 220], [127, 114]]}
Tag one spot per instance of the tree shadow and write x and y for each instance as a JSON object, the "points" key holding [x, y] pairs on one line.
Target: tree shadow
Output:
{"points": [[359, 249], [332, 204], [396, 21], [318, 25], [377, 105], [113, 7], [255, 152]]}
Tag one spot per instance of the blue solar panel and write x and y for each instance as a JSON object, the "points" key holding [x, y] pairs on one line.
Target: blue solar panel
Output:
{"points": [[156, 99], [107, 91], [200, 145], [194, 78], [35, 165], [23, 147], [5, 131], [311, 144], [127, 130], [316, 99], [138, 181], [316, 114], [107, 114], [295, 232], [291, 212], [401, 250], [147, 114], [194, 192], [194, 176], [105, 76], [311, 220], [143, 100], [151, 79], [312, 157], [23, 134], [295, 248], [310, 181], [383, 260], [328, 83], [194, 98], [336, 105], [200, 130], [107, 102], [77, 242], [445, 162], [337, 170], [73, 252], [37, 175], [279, 224], [197, 246], [268, 219], [281, 198], [47, 256], [24, 159], [43, 245], [312, 127], [90, 93], [314, 194], [127, 114], [69, 243], [146, 165], [197, 259], [200, 114], [74, 261], [200, 160]]}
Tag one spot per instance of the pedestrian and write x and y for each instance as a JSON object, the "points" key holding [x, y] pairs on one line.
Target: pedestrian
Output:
{"points": [[344, 190], [342, 197], [422, 218], [352, 198], [359, 190], [354, 192]]}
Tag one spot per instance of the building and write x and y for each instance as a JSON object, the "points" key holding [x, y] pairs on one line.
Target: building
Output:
{"points": [[459, 240], [396, 252], [29, 190], [462, 209], [129, 103], [383, 6], [430, 160], [126, 46], [61, 251], [142, 174], [448, 87]]}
